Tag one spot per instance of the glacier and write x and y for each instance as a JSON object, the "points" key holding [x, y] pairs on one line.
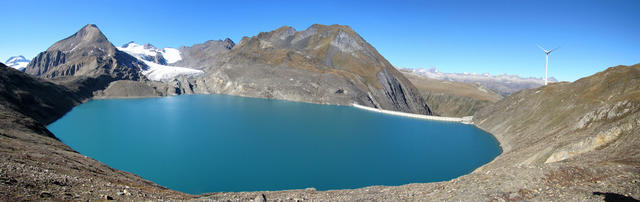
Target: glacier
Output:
{"points": [[159, 72]]}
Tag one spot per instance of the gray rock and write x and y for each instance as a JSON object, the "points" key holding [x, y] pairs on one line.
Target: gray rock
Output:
{"points": [[260, 198]]}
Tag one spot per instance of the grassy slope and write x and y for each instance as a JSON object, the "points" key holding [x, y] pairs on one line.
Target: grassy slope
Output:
{"points": [[448, 98]]}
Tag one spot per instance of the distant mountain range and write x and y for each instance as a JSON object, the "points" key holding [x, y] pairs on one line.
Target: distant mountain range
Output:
{"points": [[17, 62], [504, 84]]}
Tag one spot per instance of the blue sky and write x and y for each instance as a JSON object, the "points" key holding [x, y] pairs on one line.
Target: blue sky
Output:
{"points": [[455, 36]]}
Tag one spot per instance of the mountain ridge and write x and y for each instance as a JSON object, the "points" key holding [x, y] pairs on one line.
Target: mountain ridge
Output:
{"points": [[323, 64], [332, 56], [505, 83]]}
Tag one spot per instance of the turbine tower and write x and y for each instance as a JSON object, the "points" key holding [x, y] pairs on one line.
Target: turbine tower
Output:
{"points": [[546, 66]]}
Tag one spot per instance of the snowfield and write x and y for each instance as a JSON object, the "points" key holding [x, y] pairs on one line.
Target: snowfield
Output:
{"points": [[172, 55], [138, 50], [159, 72], [19, 65]]}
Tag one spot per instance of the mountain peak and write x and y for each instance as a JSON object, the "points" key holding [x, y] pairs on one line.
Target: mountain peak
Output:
{"points": [[229, 42], [91, 32], [129, 44], [88, 39], [90, 28], [149, 46], [17, 62], [18, 58]]}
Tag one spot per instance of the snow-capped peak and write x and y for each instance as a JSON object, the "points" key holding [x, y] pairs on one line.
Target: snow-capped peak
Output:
{"points": [[150, 53], [17, 62]]}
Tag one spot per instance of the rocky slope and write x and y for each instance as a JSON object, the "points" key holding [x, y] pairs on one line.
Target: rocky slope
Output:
{"points": [[85, 61], [209, 53], [592, 120], [36, 166], [450, 98]]}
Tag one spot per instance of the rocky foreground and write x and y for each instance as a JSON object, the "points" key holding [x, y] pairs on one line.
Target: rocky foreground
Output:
{"points": [[566, 141]]}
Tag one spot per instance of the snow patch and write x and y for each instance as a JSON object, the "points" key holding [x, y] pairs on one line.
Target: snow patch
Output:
{"points": [[158, 72]]}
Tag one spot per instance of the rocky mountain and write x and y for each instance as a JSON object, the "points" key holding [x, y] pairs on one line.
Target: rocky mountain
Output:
{"points": [[86, 61], [504, 84], [451, 98], [17, 62], [322, 64]]}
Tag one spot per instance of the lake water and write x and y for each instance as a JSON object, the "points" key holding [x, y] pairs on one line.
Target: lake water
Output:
{"points": [[218, 143]]}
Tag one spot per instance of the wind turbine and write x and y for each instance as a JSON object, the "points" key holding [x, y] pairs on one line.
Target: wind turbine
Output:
{"points": [[546, 66]]}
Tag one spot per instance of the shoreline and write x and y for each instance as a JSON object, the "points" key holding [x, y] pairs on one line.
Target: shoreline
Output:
{"points": [[464, 120]]}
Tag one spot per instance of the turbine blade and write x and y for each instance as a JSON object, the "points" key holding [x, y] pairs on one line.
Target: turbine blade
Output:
{"points": [[541, 48], [556, 48]]}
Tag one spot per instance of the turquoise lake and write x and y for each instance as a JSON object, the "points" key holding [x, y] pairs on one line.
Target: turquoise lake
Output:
{"points": [[218, 143]]}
